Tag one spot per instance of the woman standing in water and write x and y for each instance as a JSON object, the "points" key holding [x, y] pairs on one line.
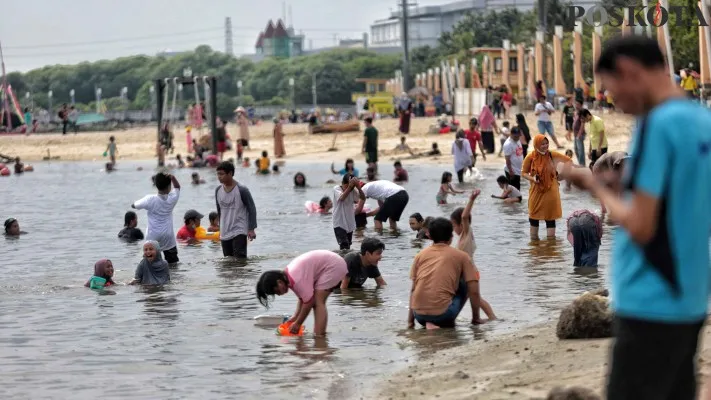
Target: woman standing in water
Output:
{"points": [[279, 150], [539, 168]]}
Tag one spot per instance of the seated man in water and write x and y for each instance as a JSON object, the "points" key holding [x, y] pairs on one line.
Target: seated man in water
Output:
{"points": [[130, 232], [19, 167], [364, 265], [436, 273]]}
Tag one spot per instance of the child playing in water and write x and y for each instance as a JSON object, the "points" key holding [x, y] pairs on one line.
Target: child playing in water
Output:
{"points": [[325, 205], [311, 276], [417, 224], [179, 159], [344, 196], [461, 222], [349, 168], [245, 164], [263, 164], [510, 194], [400, 173], [446, 188], [240, 151], [152, 270], [111, 149], [103, 274], [129, 231], [196, 180], [503, 135], [192, 222], [214, 222], [160, 214], [12, 227], [299, 180]]}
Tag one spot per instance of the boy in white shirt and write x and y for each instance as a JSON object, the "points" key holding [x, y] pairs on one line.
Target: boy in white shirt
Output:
{"points": [[543, 111], [160, 215], [344, 196]]}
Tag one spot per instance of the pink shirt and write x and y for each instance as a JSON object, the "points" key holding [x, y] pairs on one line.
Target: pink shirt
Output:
{"points": [[315, 270]]}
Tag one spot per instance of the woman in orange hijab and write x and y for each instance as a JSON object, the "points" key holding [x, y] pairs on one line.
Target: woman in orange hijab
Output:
{"points": [[539, 168]]}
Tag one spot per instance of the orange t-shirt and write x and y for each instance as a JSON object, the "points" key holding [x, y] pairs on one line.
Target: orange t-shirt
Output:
{"points": [[435, 274]]}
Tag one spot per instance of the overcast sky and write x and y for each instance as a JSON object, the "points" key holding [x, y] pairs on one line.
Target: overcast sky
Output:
{"points": [[35, 33]]}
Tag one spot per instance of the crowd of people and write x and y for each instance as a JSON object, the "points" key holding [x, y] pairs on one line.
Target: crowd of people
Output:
{"points": [[660, 264]]}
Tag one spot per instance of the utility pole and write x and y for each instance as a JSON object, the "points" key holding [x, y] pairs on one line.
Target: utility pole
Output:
{"points": [[229, 48], [405, 37], [313, 89], [5, 106]]}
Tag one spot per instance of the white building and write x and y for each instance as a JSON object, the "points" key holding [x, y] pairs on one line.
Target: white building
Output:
{"points": [[427, 23]]}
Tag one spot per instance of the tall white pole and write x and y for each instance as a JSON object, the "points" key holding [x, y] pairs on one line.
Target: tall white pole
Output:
{"points": [[667, 42], [648, 28], [705, 4]]}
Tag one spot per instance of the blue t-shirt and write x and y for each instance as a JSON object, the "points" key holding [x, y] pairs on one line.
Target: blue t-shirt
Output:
{"points": [[343, 171], [674, 166]]}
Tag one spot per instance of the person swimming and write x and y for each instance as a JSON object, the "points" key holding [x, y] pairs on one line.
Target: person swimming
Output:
{"points": [[12, 227], [299, 180], [152, 270], [103, 275]]}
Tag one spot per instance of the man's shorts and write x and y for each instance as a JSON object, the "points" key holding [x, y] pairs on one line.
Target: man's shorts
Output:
{"points": [[371, 157], [393, 207], [546, 126], [171, 255]]}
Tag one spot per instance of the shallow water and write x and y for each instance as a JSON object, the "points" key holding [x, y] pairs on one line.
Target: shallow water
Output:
{"points": [[196, 337]]}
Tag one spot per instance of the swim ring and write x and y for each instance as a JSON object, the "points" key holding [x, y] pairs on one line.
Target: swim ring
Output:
{"points": [[202, 234], [5, 172]]}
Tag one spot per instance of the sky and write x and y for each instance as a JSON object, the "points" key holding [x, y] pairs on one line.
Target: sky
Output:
{"points": [[35, 33]]}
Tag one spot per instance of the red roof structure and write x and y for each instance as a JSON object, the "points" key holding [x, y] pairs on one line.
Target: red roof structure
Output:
{"points": [[280, 31], [269, 32]]}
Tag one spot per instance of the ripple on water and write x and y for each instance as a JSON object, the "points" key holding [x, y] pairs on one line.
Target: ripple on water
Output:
{"points": [[196, 337]]}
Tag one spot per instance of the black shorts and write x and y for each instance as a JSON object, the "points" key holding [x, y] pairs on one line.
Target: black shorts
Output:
{"points": [[651, 360], [244, 142], [549, 223], [393, 207], [568, 124], [514, 180], [371, 157], [171, 255], [235, 247], [344, 239]]}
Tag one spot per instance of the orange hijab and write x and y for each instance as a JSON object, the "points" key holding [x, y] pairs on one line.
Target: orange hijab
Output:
{"points": [[542, 164]]}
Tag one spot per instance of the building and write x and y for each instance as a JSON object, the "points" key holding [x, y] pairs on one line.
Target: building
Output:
{"points": [[496, 63], [427, 23], [279, 41]]}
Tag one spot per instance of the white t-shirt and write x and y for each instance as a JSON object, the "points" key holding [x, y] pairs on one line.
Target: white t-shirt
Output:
{"points": [[515, 151], [343, 211], [513, 193], [160, 217], [381, 190], [544, 116], [504, 133]]}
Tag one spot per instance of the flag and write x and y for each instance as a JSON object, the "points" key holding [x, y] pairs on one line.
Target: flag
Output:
{"points": [[658, 13]]}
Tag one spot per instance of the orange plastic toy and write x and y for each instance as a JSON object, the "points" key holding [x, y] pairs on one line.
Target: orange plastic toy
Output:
{"points": [[283, 330]]}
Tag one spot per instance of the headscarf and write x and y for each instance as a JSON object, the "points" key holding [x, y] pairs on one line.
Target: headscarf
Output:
{"points": [[486, 118], [154, 272], [404, 102], [541, 164], [100, 271], [584, 233]]}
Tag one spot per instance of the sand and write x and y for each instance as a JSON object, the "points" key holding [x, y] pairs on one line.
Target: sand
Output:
{"points": [[524, 365], [139, 143]]}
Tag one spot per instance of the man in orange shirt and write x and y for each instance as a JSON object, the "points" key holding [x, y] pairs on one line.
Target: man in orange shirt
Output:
{"points": [[443, 278]]}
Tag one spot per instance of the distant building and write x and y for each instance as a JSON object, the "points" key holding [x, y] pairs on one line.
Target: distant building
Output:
{"points": [[279, 41], [427, 23]]}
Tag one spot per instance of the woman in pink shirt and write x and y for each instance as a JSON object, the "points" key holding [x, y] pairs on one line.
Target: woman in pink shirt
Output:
{"points": [[311, 276]]}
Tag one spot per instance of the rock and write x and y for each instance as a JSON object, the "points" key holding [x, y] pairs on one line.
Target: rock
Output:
{"points": [[461, 375], [588, 317], [572, 393]]}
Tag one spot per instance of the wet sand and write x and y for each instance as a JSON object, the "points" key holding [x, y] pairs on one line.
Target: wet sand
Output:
{"points": [[523, 365], [139, 143]]}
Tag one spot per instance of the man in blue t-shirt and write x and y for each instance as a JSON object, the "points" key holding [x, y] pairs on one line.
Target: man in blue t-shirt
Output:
{"points": [[660, 263]]}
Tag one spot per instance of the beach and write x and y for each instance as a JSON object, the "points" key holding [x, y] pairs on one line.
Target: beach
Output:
{"points": [[139, 143], [523, 365]]}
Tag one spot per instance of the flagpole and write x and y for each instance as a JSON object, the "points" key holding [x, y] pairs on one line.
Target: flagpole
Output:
{"points": [[6, 108], [648, 29]]}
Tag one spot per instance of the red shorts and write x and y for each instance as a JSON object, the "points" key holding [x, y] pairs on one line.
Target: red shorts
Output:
{"points": [[221, 147]]}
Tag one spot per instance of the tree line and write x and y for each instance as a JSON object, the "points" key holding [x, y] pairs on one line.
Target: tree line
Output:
{"points": [[334, 72]]}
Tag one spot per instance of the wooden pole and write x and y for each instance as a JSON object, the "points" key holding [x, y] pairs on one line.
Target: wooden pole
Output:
{"points": [[578, 56], [558, 61], [597, 48]]}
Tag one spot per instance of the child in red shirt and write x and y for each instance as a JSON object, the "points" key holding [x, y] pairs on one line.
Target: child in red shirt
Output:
{"points": [[192, 222]]}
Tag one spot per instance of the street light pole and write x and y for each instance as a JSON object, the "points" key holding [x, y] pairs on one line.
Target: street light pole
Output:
{"points": [[291, 87], [405, 47], [98, 100], [49, 97], [71, 94], [239, 92]]}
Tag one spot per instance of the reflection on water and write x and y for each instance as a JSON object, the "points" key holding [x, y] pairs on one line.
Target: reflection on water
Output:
{"points": [[195, 337]]}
